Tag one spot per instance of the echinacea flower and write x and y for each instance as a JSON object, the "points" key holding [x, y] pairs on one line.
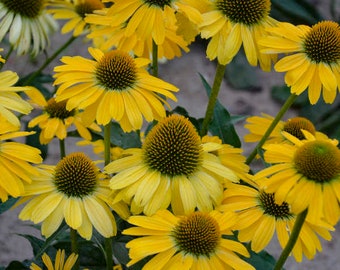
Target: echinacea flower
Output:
{"points": [[112, 86], [59, 263], [55, 120], [73, 190], [151, 18], [10, 100], [172, 167], [193, 241], [1, 59], [231, 157], [259, 217], [28, 25], [305, 174], [75, 12], [16, 161], [258, 125], [312, 57], [230, 24]]}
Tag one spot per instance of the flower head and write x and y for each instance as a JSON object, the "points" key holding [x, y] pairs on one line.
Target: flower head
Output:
{"points": [[258, 125], [305, 174], [173, 167], [59, 264], [232, 23], [313, 60], [193, 241], [11, 101], [15, 161], [55, 120], [259, 217], [27, 24], [112, 86], [74, 11], [73, 190]]}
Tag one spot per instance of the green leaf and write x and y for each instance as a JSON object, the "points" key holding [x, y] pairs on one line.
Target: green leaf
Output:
{"points": [[36, 243], [295, 11], [16, 265], [4, 206], [222, 124], [124, 139], [262, 260]]}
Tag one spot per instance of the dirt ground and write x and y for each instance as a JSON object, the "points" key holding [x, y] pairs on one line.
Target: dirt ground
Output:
{"points": [[182, 72]]}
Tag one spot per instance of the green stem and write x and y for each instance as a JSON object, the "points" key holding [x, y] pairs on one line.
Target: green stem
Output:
{"points": [[300, 219], [154, 59], [107, 159], [62, 149], [74, 246], [220, 69], [48, 61], [276, 120]]}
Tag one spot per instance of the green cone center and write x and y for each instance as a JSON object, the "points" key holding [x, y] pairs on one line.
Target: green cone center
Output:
{"points": [[322, 43], [58, 110], [318, 160], [173, 147], [116, 71], [294, 125], [248, 12], [267, 202], [26, 8], [88, 6], [76, 175], [197, 234]]}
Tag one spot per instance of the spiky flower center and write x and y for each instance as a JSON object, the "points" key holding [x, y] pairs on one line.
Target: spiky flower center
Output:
{"points": [[76, 175], [26, 8], [322, 43], [267, 203], [173, 147], [248, 12], [58, 109], [318, 160], [159, 3], [197, 234], [116, 71], [294, 125], [88, 6]]}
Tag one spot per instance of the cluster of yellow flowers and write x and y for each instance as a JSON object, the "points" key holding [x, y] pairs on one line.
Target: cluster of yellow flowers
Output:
{"points": [[183, 192]]}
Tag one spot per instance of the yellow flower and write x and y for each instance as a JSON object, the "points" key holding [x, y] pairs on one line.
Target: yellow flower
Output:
{"points": [[259, 217], [1, 59], [112, 86], [73, 190], [10, 100], [173, 167], [55, 120], [75, 12], [258, 125], [151, 18], [28, 25], [59, 263], [313, 60], [232, 23], [305, 174], [231, 157], [15, 161], [194, 241], [107, 35]]}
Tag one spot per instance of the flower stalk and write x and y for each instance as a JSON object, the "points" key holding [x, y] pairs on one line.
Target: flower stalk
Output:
{"points": [[300, 219], [107, 159], [29, 80], [220, 70], [276, 120]]}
